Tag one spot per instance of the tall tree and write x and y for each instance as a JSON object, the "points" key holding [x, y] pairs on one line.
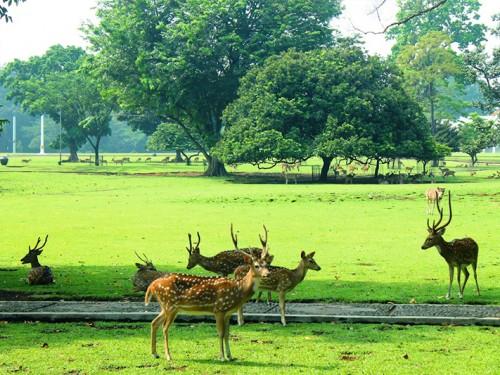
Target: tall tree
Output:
{"points": [[458, 19], [428, 66], [182, 60], [335, 102]]}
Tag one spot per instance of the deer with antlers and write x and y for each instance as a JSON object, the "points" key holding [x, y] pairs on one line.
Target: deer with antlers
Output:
{"points": [[458, 253], [38, 275], [218, 296], [225, 262], [433, 195], [281, 280], [146, 273]]}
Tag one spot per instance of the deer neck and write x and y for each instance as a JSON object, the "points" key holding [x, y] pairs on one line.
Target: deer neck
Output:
{"points": [[299, 273], [249, 284], [443, 246], [35, 263], [208, 263]]}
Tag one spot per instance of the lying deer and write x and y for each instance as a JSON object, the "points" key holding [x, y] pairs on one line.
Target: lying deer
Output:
{"points": [[433, 195], [225, 262], [39, 275], [458, 253], [281, 280], [146, 274], [204, 295]]}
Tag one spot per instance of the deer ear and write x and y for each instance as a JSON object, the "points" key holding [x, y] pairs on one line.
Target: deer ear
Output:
{"points": [[312, 254], [303, 254], [441, 231], [247, 259]]}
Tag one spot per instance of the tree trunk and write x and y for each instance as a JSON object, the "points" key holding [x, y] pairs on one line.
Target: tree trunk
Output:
{"points": [[73, 152], [435, 162], [178, 156], [327, 161], [473, 159], [215, 167], [96, 151], [377, 167]]}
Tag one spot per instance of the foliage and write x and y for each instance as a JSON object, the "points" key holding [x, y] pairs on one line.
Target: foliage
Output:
{"points": [[170, 136], [428, 66], [4, 10], [181, 61], [458, 19], [477, 133], [335, 102]]}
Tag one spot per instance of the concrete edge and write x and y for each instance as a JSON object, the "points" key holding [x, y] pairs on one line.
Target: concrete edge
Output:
{"points": [[251, 317]]}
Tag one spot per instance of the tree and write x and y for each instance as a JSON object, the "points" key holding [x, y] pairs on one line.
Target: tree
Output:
{"points": [[335, 102], [458, 19], [170, 136], [428, 66], [477, 133], [182, 60], [4, 10]]}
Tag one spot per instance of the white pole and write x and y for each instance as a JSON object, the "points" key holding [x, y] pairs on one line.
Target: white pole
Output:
{"points": [[42, 146], [13, 134]]}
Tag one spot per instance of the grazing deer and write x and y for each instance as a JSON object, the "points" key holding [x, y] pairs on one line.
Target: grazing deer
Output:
{"points": [[146, 274], [138, 159], [204, 295], [166, 159], [147, 159], [225, 262], [433, 195], [117, 161], [281, 280], [287, 168], [448, 173], [26, 161], [39, 275], [458, 253], [409, 170]]}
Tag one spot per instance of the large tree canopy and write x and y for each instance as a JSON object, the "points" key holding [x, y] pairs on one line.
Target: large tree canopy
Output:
{"points": [[182, 60], [477, 133], [335, 102]]}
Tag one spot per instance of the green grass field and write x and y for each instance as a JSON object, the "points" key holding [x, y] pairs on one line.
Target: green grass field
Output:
{"points": [[367, 237], [104, 348]]}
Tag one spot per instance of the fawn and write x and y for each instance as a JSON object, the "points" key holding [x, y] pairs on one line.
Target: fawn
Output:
{"points": [[38, 275], [281, 280], [204, 295], [458, 253], [433, 195]]}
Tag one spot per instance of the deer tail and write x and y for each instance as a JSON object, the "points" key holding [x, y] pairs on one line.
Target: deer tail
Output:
{"points": [[149, 294]]}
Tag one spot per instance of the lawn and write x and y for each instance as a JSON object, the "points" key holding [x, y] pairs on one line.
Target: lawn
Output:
{"points": [[101, 348], [367, 237]]}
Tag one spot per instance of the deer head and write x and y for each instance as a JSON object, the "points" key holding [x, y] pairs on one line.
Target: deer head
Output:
{"points": [[32, 256], [194, 252], [309, 261], [436, 231], [147, 264]]}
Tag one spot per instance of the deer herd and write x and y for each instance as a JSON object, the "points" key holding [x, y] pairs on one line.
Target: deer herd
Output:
{"points": [[221, 295]]}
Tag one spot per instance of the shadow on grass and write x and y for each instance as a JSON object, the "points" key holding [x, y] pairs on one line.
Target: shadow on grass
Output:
{"points": [[114, 283]]}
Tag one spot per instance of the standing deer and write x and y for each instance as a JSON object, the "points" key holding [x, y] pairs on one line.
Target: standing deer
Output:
{"points": [[225, 262], [433, 195], [281, 280], [39, 275], [204, 295], [458, 253], [146, 274], [287, 168]]}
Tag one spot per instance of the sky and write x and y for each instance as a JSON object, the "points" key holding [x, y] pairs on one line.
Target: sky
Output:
{"points": [[39, 24]]}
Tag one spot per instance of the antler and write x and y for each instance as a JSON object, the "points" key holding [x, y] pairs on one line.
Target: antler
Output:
{"points": [[37, 243], [234, 237], [441, 214], [145, 259], [197, 244], [190, 248], [263, 241]]}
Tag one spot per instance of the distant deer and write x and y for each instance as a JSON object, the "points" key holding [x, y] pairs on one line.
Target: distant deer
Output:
{"points": [[366, 168], [147, 159], [287, 168], [26, 161], [281, 280], [448, 173], [126, 160], [146, 273], [473, 173], [138, 159], [117, 161], [409, 169], [223, 263], [39, 275], [216, 296], [433, 195], [166, 159], [458, 253]]}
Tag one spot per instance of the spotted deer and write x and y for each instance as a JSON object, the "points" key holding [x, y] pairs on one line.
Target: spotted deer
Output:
{"points": [[433, 195], [281, 280], [216, 296], [225, 262], [146, 273], [287, 168], [38, 275], [458, 253]]}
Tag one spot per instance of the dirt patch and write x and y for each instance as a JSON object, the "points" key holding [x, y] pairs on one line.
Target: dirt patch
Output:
{"points": [[9, 295]]}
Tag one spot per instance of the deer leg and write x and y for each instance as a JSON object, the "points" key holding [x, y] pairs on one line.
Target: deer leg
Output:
{"points": [[154, 328], [459, 269], [466, 273], [282, 307], [219, 321], [474, 266], [229, 357], [241, 319], [268, 297], [450, 268], [169, 318], [258, 297]]}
